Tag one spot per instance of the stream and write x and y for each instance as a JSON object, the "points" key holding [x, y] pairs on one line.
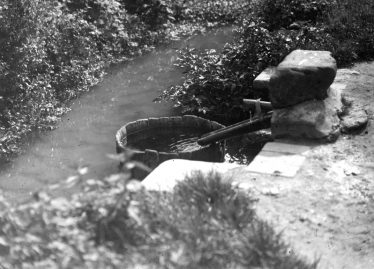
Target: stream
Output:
{"points": [[85, 135]]}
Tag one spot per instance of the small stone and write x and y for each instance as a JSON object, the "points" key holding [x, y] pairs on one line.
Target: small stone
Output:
{"points": [[356, 119], [303, 75], [271, 192], [351, 170]]}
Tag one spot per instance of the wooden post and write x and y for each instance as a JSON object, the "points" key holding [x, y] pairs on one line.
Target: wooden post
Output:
{"points": [[252, 103]]}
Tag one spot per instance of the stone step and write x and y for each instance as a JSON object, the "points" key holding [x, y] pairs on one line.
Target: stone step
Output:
{"points": [[279, 159]]}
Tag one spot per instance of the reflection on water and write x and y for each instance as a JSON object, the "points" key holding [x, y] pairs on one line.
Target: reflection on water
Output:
{"points": [[178, 140], [243, 149]]}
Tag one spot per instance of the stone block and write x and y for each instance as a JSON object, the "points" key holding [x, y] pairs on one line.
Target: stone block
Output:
{"points": [[314, 119], [303, 75]]}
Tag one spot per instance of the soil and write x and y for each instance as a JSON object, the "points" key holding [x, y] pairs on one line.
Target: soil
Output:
{"points": [[326, 211]]}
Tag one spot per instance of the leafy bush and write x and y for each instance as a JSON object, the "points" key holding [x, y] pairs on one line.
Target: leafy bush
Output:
{"points": [[48, 57], [344, 20], [282, 13], [210, 88], [215, 11], [352, 25], [153, 12], [115, 223], [216, 83]]}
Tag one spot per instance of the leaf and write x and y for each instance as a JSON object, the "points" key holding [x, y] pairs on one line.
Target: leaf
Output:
{"points": [[134, 212], [133, 164], [71, 179], [134, 186], [118, 177], [83, 170], [117, 157], [3, 242], [65, 222]]}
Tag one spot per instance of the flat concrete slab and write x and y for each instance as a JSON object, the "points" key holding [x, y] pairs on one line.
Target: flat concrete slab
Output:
{"points": [[165, 176], [279, 159]]}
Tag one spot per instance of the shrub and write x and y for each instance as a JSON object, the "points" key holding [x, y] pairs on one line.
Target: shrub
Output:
{"points": [[210, 88], [344, 20], [216, 11], [115, 223], [216, 83], [54, 50], [154, 13], [282, 13], [47, 56], [352, 24]]}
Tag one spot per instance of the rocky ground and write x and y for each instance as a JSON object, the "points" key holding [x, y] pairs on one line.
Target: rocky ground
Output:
{"points": [[327, 210]]}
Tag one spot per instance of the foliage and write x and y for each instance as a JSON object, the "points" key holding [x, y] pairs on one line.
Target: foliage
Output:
{"points": [[282, 13], [26, 75], [215, 83], [153, 12], [209, 87], [213, 11], [114, 223], [351, 23], [344, 20]]}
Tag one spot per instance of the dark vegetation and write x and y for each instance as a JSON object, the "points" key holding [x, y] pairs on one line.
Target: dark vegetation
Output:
{"points": [[215, 83], [114, 223]]}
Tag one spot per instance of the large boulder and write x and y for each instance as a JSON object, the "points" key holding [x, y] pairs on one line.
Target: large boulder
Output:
{"points": [[313, 119], [303, 75]]}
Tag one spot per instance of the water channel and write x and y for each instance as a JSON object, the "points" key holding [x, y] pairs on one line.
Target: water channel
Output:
{"points": [[86, 134]]}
